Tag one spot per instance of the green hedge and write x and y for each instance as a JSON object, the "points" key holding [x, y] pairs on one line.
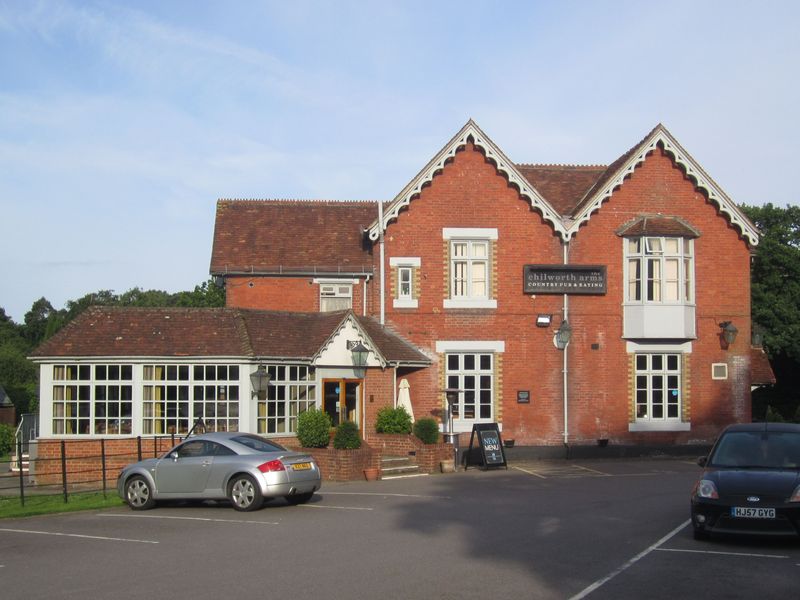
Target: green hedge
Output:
{"points": [[347, 437], [314, 429], [427, 430], [393, 420], [6, 439]]}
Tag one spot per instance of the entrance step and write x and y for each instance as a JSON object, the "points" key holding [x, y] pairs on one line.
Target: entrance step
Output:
{"points": [[15, 464], [395, 467]]}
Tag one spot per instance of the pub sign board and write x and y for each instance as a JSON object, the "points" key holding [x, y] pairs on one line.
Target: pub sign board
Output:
{"points": [[565, 279], [490, 446]]}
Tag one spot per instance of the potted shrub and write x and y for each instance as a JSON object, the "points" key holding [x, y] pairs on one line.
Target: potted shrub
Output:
{"points": [[346, 437], [427, 430], [393, 420]]}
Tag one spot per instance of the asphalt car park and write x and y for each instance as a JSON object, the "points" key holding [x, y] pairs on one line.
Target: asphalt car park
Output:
{"points": [[541, 529]]}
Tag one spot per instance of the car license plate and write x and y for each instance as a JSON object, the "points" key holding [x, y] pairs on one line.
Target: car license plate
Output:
{"points": [[746, 512], [301, 466]]}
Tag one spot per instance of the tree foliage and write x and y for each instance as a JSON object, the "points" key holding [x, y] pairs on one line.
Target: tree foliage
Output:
{"points": [[18, 375]]}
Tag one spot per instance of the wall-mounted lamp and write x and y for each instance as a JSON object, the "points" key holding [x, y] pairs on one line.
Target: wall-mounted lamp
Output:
{"points": [[543, 320], [360, 354], [259, 381], [563, 335], [729, 333]]}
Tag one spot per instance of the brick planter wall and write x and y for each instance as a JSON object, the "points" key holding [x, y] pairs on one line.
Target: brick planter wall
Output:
{"points": [[428, 456]]}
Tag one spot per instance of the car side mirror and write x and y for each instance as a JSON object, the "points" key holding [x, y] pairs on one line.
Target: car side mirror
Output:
{"points": [[174, 455], [702, 461]]}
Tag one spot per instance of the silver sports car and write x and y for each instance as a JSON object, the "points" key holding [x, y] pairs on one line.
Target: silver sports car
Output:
{"points": [[244, 468]]}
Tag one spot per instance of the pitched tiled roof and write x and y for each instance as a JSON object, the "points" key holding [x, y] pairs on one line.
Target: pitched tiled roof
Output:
{"points": [[274, 236], [760, 370], [242, 333], [658, 225], [563, 186]]}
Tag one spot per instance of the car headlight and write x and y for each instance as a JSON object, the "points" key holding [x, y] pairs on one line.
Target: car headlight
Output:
{"points": [[705, 488], [795, 497]]}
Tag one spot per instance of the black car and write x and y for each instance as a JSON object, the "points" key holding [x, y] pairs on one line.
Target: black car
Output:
{"points": [[750, 482]]}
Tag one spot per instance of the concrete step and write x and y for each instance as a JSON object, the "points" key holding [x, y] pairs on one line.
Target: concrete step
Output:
{"points": [[393, 467], [15, 464]]}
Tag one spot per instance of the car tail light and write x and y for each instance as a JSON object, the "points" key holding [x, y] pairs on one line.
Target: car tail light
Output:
{"points": [[271, 466], [795, 497], [705, 488]]}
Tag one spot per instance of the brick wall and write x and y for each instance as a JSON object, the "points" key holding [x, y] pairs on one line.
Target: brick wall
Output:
{"points": [[298, 294]]}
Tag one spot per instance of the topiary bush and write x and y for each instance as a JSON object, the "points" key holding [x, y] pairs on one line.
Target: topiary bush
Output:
{"points": [[347, 437], [6, 439], [393, 420], [314, 429], [427, 430]]}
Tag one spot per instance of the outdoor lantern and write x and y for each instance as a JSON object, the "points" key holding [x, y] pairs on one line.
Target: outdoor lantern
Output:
{"points": [[563, 335], [360, 354], [729, 332], [259, 380]]}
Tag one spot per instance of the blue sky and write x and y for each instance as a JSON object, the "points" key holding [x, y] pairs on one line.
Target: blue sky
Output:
{"points": [[122, 123]]}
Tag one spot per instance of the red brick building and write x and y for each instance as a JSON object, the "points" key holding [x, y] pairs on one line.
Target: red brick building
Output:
{"points": [[463, 281]]}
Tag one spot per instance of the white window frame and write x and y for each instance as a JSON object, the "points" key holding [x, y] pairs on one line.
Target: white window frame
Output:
{"points": [[405, 264], [719, 371], [292, 390], [335, 289], [477, 349], [472, 237], [654, 382], [654, 279]]}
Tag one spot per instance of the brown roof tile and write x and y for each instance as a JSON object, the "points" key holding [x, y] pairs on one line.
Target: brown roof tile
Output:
{"points": [[563, 186], [270, 236], [177, 332], [658, 225], [760, 370]]}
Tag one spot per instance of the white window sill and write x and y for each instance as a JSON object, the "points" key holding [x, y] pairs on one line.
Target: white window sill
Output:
{"points": [[466, 426], [659, 426], [466, 303], [405, 303]]}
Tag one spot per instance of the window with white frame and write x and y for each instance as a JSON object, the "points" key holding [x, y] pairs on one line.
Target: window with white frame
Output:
{"points": [[405, 273], [92, 399], [658, 387], [470, 267], [335, 296], [292, 390], [473, 374], [175, 396], [659, 269]]}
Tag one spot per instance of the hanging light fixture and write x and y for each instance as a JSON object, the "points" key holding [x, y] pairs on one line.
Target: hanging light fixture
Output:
{"points": [[729, 332], [563, 335], [360, 354], [259, 381]]}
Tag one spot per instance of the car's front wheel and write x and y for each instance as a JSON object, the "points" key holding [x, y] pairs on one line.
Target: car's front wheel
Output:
{"points": [[244, 493], [139, 493]]}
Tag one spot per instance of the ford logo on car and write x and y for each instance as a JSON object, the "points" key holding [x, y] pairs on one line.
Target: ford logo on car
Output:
{"points": [[753, 499]]}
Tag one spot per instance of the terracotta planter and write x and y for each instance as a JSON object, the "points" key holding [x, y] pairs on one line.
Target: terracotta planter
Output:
{"points": [[371, 474]]}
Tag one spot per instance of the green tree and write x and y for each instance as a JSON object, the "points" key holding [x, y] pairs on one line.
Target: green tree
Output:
{"points": [[775, 278]]}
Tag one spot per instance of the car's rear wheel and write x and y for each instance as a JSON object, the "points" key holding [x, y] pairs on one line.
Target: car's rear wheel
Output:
{"points": [[299, 498], [139, 493], [244, 493]]}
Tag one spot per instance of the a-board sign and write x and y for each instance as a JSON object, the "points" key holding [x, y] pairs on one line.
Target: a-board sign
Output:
{"points": [[489, 446]]}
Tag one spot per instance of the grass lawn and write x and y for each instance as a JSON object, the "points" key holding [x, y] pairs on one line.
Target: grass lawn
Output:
{"points": [[42, 505]]}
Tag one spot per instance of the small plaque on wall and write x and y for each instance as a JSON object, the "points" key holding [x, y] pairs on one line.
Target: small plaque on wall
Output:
{"points": [[523, 397]]}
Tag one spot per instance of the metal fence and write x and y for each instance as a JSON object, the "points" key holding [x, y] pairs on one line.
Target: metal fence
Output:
{"points": [[64, 467]]}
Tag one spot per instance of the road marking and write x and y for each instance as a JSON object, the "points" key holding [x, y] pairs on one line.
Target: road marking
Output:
{"points": [[534, 473], [723, 553], [630, 563], [334, 507], [77, 535], [123, 516], [323, 494], [596, 472]]}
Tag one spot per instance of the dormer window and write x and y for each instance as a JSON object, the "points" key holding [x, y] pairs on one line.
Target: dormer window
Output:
{"points": [[335, 296]]}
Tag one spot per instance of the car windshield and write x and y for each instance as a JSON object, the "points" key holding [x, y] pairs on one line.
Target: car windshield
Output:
{"points": [[758, 449], [257, 443]]}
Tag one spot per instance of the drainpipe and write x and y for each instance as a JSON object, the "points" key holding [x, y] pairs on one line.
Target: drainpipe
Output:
{"points": [[364, 303], [382, 254], [565, 309]]}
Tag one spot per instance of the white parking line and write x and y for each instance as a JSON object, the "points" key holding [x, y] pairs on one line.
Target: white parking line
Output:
{"points": [[379, 494], [630, 563], [333, 507], [723, 553], [534, 473], [124, 516], [595, 471], [77, 535]]}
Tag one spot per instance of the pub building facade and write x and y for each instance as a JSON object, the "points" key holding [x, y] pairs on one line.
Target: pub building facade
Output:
{"points": [[567, 304]]}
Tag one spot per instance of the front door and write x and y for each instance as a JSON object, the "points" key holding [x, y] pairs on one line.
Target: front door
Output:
{"points": [[342, 400]]}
